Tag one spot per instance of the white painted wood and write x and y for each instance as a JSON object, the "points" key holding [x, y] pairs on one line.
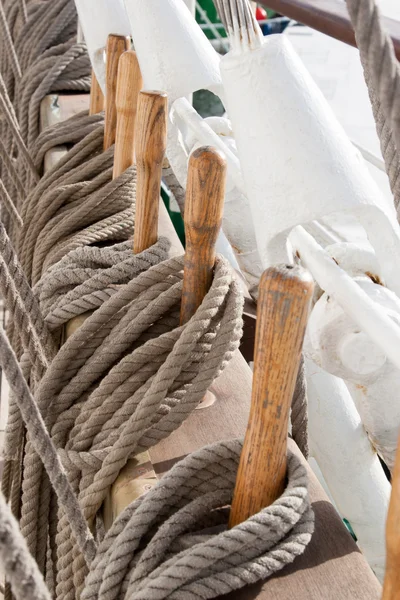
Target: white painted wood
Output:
{"points": [[337, 345], [99, 18], [191, 4], [355, 302], [174, 54], [176, 57], [183, 114], [348, 462], [298, 164]]}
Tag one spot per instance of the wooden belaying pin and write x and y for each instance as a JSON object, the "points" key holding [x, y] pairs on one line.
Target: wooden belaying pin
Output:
{"points": [[129, 84], [96, 96], [283, 304], [204, 205], [150, 146], [391, 584], [116, 45]]}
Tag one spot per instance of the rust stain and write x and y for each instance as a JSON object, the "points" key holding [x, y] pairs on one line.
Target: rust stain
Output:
{"points": [[375, 278], [362, 388]]}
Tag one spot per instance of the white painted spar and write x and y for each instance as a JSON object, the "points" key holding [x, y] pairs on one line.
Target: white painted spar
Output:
{"points": [[339, 346], [383, 330], [99, 18], [174, 54], [348, 462], [191, 4], [297, 163]]}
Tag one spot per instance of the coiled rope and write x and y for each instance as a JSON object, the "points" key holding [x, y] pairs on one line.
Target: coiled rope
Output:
{"points": [[188, 551], [173, 542], [149, 375], [48, 60]]}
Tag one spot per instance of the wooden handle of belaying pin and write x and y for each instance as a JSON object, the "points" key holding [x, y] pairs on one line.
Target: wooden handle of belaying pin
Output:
{"points": [[96, 96], [150, 146], [204, 205], [282, 310], [129, 84], [116, 45], [391, 584]]}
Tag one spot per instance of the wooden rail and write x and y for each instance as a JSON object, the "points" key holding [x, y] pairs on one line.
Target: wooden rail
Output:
{"points": [[329, 17]]}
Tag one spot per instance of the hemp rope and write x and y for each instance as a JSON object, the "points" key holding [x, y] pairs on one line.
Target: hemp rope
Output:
{"points": [[51, 62], [65, 67], [382, 75], [48, 25], [75, 204], [189, 553], [126, 228], [66, 169], [10, 206], [24, 309], [42, 443], [138, 402], [63, 133], [19, 567], [85, 278], [6, 35]]}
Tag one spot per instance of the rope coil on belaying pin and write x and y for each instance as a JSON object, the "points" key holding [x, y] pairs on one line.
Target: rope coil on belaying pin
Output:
{"points": [[173, 542], [76, 204], [184, 556], [69, 132], [86, 277], [152, 388]]}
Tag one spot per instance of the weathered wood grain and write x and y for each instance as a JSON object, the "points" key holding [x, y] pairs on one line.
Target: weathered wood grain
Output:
{"points": [[116, 45], [151, 143], [283, 305], [97, 100], [204, 206], [129, 84]]}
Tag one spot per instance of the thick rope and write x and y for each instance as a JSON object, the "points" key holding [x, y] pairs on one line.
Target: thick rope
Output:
{"points": [[5, 31], [10, 206], [45, 449], [75, 204], [17, 137], [85, 278], [130, 368], [139, 401], [19, 567], [382, 74], [188, 552], [50, 61], [299, 411], [24, 308]]}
